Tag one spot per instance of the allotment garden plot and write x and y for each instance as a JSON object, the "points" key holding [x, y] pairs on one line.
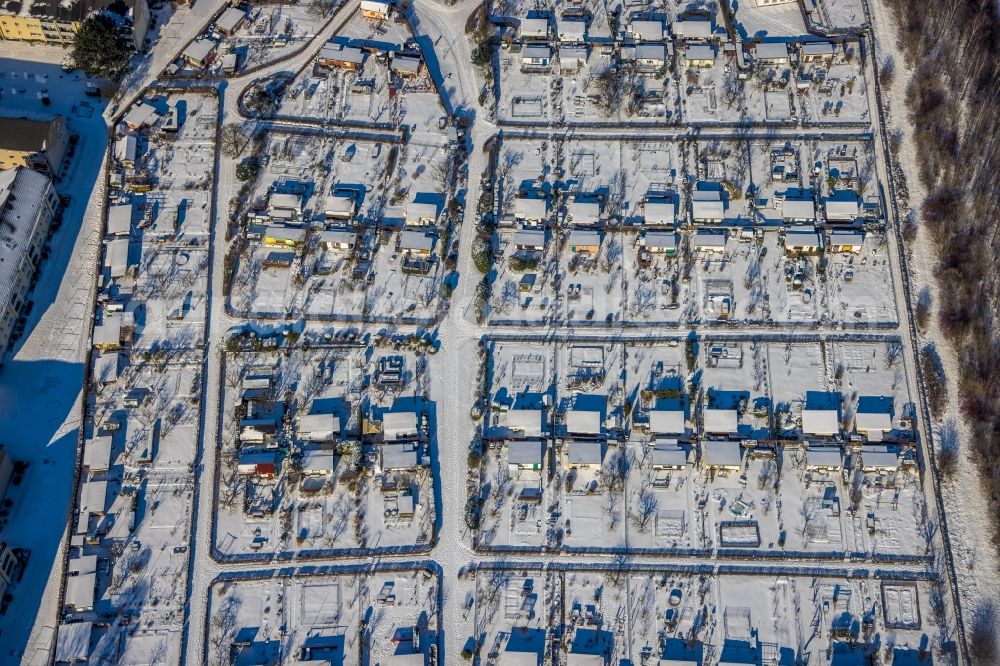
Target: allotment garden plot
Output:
{"points": [[344, 616], [355, 78], [326, 451], [344, 228]]}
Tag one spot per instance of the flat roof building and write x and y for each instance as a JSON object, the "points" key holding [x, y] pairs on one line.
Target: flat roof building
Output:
{"points": [[526, 454], [526, 422], [720, 421], [399, 425], [28, 204], [38, 143], [583, 422], [585, 454], [722, 455]]}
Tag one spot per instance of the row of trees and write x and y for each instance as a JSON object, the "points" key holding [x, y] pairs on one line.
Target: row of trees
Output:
{"points": [[954, 103]]}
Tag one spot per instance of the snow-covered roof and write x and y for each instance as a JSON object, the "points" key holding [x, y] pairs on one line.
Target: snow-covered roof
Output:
{"points": [[97, 453], [22, 195], [117, 257], [709, 240], [586, 212], [660, 240], [720, 421], [341, 53], [339, 206], [404, 659], [573, 56], [120, 220], [585, 659], [285, 201], [83, 564], [80, 591], [283, 233], [713, 209], [108, 332], [655, 52], [399, 456], [530, 209], [535, 52], [93, 496], [410, 239], [572, 29], [583, 422], [841, 238], [771, 51], [530, 238], [721, 454], [879, 457], [824, 456], [585, 452], [699, 52], [417, 212], [693, 29], [229, 19], [584, 238], [873, 421], [666, 421], [125, 148], [841, 208], [257, 458], [802, 238], [527, 421], [199, 50], [318, 427], [798, 209], [106, 368], [519, 657], [405, 64], [649, 31], [659, 211], [336, 237], [73, 644], [526, 452], [375, 6], [398, 425], [535, 27], [817, 48], [318, 460], [140, 115], [820, 422], [669, 456]]}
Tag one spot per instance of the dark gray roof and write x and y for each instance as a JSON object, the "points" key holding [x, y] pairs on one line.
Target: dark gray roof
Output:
{"points": [[24, 134]]}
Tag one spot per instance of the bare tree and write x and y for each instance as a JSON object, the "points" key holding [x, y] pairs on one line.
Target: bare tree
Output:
{"points": [[947, 443], [983, 633], [893, 352], [732, 89], [232, 140], [322, 7], [611, 87], [615, 472], [508, 296], [646, 507]]}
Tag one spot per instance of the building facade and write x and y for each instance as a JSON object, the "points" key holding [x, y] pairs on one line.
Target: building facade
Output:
{"points": [[28, 203], [36, 143], [55, 22]]}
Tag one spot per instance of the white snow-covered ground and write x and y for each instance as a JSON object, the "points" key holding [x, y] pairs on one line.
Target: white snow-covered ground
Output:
{"points": [[605, 610]]}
